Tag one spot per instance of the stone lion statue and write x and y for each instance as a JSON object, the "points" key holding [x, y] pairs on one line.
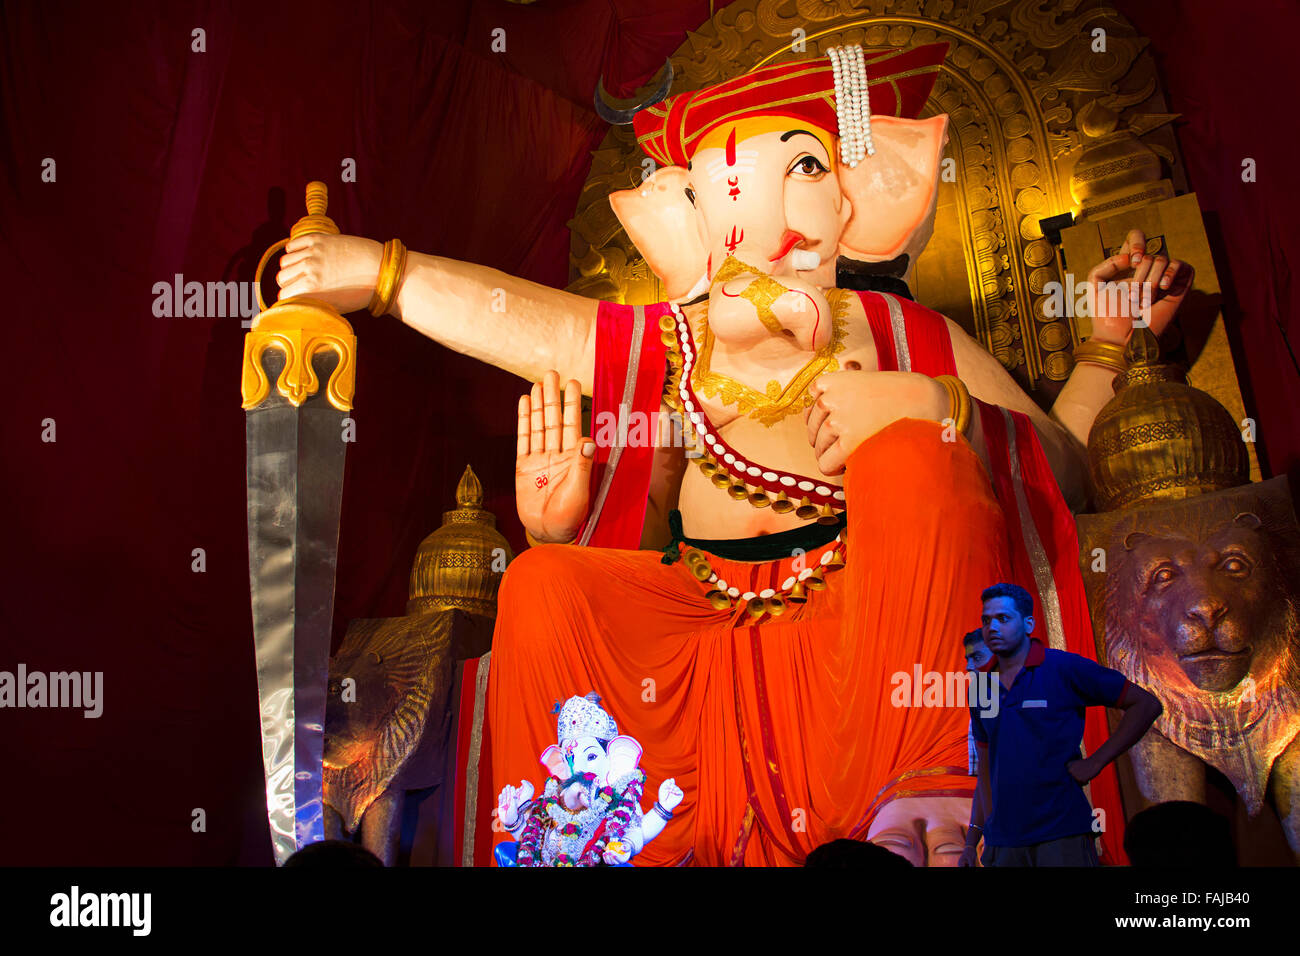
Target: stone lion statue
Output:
{"points": [[1200, 606]]}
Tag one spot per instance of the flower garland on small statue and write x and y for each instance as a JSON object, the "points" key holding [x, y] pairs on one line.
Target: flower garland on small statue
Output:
{"points": [[617, 804]]}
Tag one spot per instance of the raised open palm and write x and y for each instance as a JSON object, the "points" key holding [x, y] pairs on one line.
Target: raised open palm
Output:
{"points": [[552, 473]]}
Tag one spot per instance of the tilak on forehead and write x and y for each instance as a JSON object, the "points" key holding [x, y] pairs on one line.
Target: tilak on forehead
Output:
{"points": [[823, 95]]}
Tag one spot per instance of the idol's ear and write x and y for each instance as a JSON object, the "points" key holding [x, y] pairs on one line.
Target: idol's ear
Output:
{"points": [[624, 755], [893, 191], [553, 760], [661, 222]]}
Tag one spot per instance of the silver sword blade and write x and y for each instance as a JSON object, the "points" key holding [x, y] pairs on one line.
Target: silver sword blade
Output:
{"points": [[295, 490]]}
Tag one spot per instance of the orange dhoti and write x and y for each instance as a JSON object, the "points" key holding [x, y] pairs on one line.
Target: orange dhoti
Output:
{"points": [[783, 732]]}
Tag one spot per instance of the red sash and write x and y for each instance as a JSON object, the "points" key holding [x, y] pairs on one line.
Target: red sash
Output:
{"points": [[630, 370]]}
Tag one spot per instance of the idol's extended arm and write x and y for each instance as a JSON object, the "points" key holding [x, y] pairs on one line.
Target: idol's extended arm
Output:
{"points": [[514, 324], [520, 326], [1064, 433], [988, 381]]}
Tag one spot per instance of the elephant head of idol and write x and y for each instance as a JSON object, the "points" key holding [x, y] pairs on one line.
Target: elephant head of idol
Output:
{"points": [[765, 181]]}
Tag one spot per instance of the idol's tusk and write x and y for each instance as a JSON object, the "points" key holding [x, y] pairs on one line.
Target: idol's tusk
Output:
{"points": [[698, 289], [804, 260]]}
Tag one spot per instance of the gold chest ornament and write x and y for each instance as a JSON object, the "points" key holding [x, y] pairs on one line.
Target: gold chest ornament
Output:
{"points": [[690, 377]]}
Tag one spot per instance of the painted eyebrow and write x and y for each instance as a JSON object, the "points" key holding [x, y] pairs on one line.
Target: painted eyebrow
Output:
{"points": [[796, 132]]}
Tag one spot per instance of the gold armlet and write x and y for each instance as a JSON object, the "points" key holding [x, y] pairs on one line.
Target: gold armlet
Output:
{"points": [[1106, 354], [392, 269], [959, 399], [533, 542]]}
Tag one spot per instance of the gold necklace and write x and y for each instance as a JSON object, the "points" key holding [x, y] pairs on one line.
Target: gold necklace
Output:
{"points": [[778, 403], [729, 471]]}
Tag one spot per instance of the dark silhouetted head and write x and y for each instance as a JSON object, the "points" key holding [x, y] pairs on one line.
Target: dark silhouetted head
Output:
{"points": [[334, 855], [854, 854], [1179, 834]]}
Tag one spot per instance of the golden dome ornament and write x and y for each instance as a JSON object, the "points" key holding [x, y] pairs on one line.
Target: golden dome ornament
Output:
{"points": [[460, 564], [782, 504], [1159, 438], [1114, 167]]}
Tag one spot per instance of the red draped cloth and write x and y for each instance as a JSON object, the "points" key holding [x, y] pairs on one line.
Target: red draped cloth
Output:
{"points": [[782, 731]]}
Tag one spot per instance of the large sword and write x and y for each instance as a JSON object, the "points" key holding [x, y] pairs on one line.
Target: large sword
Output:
{"points": [[296, 451]]}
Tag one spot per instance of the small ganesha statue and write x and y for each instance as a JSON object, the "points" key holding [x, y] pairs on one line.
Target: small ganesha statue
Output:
{"points": [[589, 813]]}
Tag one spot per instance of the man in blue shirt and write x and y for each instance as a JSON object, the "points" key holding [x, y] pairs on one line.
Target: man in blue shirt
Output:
{"points": [[1031, 807]]}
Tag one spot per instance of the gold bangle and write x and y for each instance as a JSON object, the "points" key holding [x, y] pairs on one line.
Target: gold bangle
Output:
{"points": [[532, 542], [1106, 354], [959, 397], [392, 269]]}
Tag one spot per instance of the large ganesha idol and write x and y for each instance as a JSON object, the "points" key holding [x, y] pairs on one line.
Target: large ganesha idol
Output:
{"points": [[856, 469], [590, 810]]}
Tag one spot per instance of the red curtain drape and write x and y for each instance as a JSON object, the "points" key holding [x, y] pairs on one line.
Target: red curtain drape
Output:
{"points": [[168, 161], [172, 161]]}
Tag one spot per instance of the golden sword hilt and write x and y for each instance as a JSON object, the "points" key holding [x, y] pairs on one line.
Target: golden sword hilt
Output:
{"points": [[300, 327]]}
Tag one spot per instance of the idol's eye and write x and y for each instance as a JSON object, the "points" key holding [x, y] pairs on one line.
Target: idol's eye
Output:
{"points": [[690, 194], [809, 165]]}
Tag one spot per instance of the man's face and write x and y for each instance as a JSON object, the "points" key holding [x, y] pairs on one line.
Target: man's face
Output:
{"points": [[1005, 631], [977, 655]]}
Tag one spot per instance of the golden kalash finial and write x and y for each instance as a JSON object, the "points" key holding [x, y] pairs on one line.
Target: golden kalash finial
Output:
{"points": [[1115, 168], [461, 563], [1159, 438], [300, 327]]}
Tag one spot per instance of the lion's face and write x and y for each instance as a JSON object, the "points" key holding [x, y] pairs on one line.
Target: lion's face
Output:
{"points": [[1202, 608]]}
